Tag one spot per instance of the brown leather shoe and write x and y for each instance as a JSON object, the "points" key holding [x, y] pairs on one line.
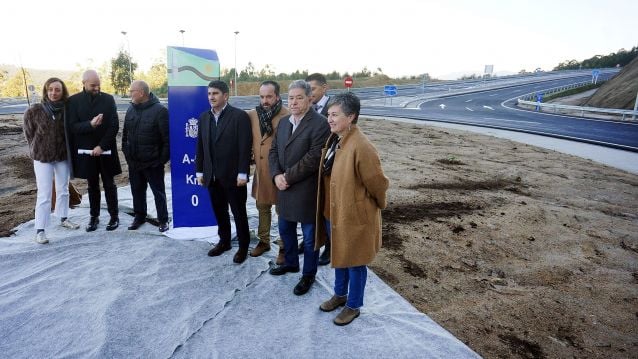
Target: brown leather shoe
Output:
{"points": [[259, 249], [333, 303], [240, 256], [346, 316], [280, 257], [219, 249]]}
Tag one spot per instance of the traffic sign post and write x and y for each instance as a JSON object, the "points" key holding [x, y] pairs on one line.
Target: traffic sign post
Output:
{"points": [[390, 90], [539, 99], [594, 75], [348, 82]]}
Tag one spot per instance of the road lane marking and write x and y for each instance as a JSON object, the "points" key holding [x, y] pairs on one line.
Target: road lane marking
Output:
{"points": [[469, 109], [502, 119], [470, 100], [488, 107], [442, 106]]}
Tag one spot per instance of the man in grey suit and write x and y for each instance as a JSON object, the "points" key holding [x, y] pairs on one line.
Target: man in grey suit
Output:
{"points": [[224, 144], [294, 163]]}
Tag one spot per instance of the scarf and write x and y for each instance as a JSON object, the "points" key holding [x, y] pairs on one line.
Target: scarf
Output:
{"points": [[265, 117], [52, 108], [330, 156]]}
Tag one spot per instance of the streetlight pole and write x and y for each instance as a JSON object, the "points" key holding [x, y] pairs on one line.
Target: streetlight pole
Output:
{"points": [[130, 67], [236, 33], [182, 31]]}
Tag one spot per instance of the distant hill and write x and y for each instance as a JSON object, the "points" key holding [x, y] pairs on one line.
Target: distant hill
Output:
{"points": [[619, 92], [38, 76]]}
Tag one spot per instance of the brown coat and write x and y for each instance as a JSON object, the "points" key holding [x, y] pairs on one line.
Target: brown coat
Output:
{"points": [[264, 190], [46, 137], [357, 195]]}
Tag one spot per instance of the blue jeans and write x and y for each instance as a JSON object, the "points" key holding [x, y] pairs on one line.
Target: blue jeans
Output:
{"points": [[351, 281], [288, 233]]}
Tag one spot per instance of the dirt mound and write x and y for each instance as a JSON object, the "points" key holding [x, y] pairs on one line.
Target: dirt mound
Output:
{"points": [[619, 92]]}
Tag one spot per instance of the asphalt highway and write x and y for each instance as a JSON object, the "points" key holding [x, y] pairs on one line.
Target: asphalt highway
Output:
{"points": [[490, 104]]}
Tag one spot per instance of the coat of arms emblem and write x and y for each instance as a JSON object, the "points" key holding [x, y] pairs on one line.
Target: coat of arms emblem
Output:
{"points": [[191, 128]]}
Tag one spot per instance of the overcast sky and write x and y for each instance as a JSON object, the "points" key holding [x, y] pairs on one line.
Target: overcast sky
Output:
{"points": [[399, 36]]}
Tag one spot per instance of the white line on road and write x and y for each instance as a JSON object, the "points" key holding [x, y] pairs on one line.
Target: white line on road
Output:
{"points": [[488, 107], [470, 100], [492, 95], [469, 109], [502, 119]]}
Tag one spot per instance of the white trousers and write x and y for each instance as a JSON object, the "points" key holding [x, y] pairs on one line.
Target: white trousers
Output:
{"points": [[44, 173]]}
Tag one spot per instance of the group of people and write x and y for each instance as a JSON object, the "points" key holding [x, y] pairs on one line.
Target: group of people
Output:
{"points": [[75, 136], [315, 165], [311, 161]]}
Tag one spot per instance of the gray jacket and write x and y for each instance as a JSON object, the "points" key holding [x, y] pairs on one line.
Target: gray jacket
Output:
{"points": [[297, 156]]}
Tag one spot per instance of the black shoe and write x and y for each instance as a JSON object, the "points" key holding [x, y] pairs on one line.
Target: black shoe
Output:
{"points": [[220, 248], [304, 285], [163, 227], [241, 255], [300, 249], [93, 224], [137, 222], [324, 258], [281, 270], [113, 224]]}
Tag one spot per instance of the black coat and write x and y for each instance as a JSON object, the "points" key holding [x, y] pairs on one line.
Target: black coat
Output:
{"points": [[145, 141], [298, 157], [82, 109], [230, 150]]}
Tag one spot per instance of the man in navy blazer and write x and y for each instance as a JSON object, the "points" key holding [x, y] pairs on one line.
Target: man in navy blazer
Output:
{"points": [[294, 165], [224, 142]]}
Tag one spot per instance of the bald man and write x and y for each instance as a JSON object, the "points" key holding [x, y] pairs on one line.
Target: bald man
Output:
{"points": [[93, 125], [145, 146]]}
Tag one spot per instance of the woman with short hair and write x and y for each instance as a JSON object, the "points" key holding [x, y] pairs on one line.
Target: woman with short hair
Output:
{"points": [[352, 192]]}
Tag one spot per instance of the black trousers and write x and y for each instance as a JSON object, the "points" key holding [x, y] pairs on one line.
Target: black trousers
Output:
{"points": [[221, 197], [110, 192], [140, 180]]}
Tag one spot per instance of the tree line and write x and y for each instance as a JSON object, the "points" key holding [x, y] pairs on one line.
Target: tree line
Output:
{"points": [[620, 58]]}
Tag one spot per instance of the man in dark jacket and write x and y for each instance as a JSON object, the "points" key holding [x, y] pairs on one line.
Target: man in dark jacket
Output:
{"points": [[93, 124], [145, 146], [294, 164], [319, 98], [224, 143]]}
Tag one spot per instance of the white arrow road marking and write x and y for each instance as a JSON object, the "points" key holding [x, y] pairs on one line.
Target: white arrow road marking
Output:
{"points": [[469, 109], [442, 106], [488, 107]]}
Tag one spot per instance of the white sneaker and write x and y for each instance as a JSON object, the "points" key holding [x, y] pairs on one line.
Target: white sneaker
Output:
{"points": [[70, 225], [41, 238]]}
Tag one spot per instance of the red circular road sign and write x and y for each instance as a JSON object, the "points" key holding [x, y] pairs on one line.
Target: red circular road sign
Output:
{"points": [[348, 82]]}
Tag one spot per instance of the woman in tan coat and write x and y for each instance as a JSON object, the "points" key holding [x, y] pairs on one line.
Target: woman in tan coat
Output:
{"points": [[352, 192]]}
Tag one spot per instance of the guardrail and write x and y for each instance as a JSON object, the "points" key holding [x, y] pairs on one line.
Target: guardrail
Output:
{"points": [[581, 109], [527, 100]]}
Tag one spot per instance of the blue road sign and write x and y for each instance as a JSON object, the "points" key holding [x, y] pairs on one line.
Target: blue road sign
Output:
{"points": [[595, 72], [539, 97], [390, 90]]}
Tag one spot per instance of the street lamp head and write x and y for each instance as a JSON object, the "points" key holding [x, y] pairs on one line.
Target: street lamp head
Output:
{"points": [[182, 31], [123, 33], [236, 32]]}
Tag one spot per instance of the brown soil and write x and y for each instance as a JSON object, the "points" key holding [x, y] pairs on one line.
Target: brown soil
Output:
{"points": [[619, 92], [517, 250]]}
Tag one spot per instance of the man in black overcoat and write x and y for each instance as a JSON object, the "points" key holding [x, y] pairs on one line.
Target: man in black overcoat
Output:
{"points": [[93, 125]]}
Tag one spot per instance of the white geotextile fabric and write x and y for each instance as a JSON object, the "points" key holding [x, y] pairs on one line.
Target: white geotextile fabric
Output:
{"points": [[141, 294]]}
